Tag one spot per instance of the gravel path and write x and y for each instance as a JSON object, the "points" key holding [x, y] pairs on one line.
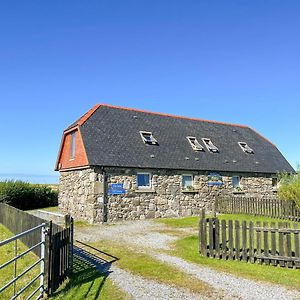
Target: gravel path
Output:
{"points": [[234, 287], [145, 235], [137, 233], [136, 286]]}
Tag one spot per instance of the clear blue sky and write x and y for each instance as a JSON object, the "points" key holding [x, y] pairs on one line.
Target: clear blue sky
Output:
{"points": [[232, 61]]}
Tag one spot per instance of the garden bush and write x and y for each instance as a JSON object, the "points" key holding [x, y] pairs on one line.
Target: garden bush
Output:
{"points": [[289, 188], [24, 195]]}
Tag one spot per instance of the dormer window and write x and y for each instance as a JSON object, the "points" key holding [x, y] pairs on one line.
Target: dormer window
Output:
{"points": [[148, 138], [194, 143], [245, 147], [209, 145]]}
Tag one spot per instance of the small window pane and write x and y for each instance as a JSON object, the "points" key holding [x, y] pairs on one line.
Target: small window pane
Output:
{"points": [[235, 181], [187, 181], [143, 180], [72, 145]]}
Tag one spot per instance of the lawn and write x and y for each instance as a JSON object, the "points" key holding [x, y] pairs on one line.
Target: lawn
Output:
{"points": [[6, 274], [187, 248]]}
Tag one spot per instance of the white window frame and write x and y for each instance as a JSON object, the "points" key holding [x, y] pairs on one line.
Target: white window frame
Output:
{"points": [[195, 145], [244, 146], [153, 140], [144, 187], [239, 181], [192, 186], [212, 148]]}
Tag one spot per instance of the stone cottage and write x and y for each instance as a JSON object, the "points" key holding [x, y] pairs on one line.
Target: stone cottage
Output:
{"points": [[120, 163]]}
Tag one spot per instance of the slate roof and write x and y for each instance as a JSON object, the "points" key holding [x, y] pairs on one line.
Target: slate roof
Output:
{"points": [[111, 138]]}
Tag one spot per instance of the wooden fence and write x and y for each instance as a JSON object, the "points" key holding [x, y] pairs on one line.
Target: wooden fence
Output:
{"points": [[59, 242], [60, 255], [273, 208], [271, 244]]}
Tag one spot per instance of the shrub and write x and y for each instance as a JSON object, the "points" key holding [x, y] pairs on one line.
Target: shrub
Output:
{"points": [[289, 188], [24, 195]]}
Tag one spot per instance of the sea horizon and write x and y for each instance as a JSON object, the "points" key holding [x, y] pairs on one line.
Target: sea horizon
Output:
{"points": [[31, 178]]}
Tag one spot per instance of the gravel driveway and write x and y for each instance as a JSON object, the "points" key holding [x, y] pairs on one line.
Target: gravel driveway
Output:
{"points": [[146, 236]]}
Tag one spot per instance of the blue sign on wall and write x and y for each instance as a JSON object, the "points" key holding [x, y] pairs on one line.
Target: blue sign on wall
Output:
{"points": [[215, 179], [116, 189]]}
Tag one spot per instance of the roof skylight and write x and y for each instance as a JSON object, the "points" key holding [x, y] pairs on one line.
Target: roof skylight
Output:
{"points": [[245, 147], [209, 145], [194, 143], [148, 138]]}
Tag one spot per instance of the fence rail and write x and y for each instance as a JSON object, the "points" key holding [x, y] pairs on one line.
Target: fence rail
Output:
{"points": [[41, 229], [58, 243], [266, 207], [271, 244]]}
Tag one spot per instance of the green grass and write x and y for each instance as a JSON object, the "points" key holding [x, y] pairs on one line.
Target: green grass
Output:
{"points": [[88, 283], [6, 274], [193, 221], [187, 248], [148, 267], [85, 283]]}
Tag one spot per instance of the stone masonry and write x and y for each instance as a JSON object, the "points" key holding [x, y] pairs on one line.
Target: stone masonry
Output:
{"points": [[83, 193]]}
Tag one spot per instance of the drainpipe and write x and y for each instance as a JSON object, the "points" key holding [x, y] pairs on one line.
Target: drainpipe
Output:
{"points": [[105, 198]]}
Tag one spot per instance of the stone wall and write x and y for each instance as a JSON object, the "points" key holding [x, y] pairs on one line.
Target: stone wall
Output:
{"points": [[79, 194], [82, 194]]}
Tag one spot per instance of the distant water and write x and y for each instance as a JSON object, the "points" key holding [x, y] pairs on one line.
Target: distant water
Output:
{"points": [[30, 178]]}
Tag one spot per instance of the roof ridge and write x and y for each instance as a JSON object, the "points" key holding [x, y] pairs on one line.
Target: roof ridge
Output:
{"points": [[170, 115]]}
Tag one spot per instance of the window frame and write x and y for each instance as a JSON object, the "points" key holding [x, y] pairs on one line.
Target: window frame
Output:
{"points": [[246, 148], [152, 141], [144, 187], [197, 146], [239, 181], [209, 148], [185, 188], [73, 145]]}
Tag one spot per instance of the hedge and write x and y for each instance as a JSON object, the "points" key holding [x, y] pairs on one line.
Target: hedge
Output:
{"points": [[24, 195]]}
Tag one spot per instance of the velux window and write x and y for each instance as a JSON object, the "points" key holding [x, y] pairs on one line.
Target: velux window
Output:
{"points": [[209, 145], [245, 147], [194, 143], [143, 180], [72, 154], [187, 182], [148, 138]]}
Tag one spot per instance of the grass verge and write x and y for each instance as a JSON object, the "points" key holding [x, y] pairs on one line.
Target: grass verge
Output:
{"points": [[147, 267], [88, 283], [187, 248]]}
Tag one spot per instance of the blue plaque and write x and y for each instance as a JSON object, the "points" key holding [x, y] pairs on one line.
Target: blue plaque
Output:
{"points": [[116, 189]]}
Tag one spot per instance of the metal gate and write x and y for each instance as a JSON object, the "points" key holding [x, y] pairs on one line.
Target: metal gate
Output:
{"points": [[39, 291]]}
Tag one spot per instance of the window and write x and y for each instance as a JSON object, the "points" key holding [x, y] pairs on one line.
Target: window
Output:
{"points": [[72, 154], [187, 182], [144, 180], [209, 145], [148, 138], [235, 181], [245, 147], [194, 143], [274, 182]]}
